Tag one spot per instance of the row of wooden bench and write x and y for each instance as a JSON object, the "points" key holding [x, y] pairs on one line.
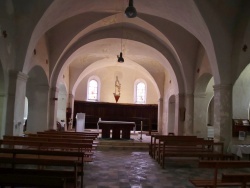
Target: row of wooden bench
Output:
{"points": [[163, 146], [58, 157], [210, 153], [225, 179]]}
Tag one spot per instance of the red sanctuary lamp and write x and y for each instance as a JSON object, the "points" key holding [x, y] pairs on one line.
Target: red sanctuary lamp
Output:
{"points": [[116, 97]]}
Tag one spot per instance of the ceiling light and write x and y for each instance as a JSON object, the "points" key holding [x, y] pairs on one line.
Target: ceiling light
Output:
{"points": [[120, 58], [130, 10]]}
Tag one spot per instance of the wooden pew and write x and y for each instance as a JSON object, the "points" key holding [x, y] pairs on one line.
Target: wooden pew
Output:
{"points": [[51, 139], [22, 166], [88, 154], [155, 141], [71, 138], [71, 132], [15, 157], [216, 181], [159, 143], [236, 178], [95, 135], [85, 148], [58, 135], [17, 180], [190, 148]]}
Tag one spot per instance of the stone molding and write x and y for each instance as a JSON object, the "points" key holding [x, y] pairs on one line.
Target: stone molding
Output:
{"points": [[222, 87], [22, 76]]}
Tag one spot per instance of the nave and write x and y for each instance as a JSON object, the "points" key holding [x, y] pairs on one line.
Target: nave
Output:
{"points": [[136, 169]]}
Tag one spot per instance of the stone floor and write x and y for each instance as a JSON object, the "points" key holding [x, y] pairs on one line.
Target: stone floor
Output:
{"points": [[133, 168]]}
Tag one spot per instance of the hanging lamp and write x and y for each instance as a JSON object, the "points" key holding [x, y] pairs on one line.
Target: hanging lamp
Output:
{"points": [[130, 10]]}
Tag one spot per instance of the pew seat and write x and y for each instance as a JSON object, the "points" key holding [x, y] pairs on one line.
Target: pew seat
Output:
{"points": [[17, 180], [198, 148], [65, 170], [227, 180], [61, 156]]}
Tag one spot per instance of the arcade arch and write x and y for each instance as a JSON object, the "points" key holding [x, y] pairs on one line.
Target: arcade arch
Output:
{"points": [[37, 89]]}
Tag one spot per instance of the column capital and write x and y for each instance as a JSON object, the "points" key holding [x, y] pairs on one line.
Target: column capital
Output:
{"points": [[22, 76], [184, 95], [189, 95], [180, 95], [14, 74], [71, 95], [200, 95], [222, 87]]}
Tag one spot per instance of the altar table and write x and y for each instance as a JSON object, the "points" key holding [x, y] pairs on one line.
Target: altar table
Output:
{"points": [[116, 127], [239, 150]]}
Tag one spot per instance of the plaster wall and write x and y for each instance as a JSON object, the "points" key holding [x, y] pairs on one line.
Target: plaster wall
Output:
{"points": [[201, 103], [241, 95], [40, 56], [168, 115], [203, 110], [62, 103], [126, 77]]}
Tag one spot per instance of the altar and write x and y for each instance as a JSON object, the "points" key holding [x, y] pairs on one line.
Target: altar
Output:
{"points": [[116, 127], [241, 149]]}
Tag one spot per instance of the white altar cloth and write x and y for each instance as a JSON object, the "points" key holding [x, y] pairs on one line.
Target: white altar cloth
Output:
{"points": [[116, 122], [239, 150]]}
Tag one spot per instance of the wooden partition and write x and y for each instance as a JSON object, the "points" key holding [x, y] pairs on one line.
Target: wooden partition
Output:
{"points": [[147, 113], [240, 125]]}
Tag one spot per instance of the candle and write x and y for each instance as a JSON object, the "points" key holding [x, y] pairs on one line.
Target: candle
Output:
{"points": [[141, 125]]}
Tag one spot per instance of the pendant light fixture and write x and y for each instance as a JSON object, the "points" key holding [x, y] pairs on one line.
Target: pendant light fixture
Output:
{"points": [[120, 58], [130, 10]]}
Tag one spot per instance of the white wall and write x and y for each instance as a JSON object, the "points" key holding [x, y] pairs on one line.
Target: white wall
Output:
{"points": [[241, 95], [126, 77]]}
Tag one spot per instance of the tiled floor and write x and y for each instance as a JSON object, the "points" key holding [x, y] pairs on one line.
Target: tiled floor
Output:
{"points": [[114, 168]]}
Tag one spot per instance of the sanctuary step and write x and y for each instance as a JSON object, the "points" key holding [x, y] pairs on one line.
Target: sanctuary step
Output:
{"points": [[122, 144]]}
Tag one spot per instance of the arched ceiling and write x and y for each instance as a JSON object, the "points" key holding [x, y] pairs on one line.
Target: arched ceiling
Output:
{"points": [[175, 29]]}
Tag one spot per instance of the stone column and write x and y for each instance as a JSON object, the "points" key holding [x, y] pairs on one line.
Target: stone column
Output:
{"points": [[160, 115], [223, 113], [179, 114], [15, 103], [2, 113], [38, 109], [71, 99], [189, 114], [53, 97]]}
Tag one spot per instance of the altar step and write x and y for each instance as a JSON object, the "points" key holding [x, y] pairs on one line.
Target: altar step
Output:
{"points": [[122, 145]]}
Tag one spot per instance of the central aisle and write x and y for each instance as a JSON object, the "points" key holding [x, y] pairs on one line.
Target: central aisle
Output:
{"points": [[132, 169]]}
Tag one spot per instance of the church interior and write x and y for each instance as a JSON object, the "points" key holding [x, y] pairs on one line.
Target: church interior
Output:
{"points": [[172, 67]]}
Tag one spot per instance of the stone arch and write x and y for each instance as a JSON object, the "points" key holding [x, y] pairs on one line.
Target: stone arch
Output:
{"points": [[37, 89], [190, 11], [83, 47], [241, 95], [203, 103], [101, 64]]}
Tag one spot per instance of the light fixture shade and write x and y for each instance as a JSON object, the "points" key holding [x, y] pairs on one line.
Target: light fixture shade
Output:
{"points": [[130, 10], [120, 58]]}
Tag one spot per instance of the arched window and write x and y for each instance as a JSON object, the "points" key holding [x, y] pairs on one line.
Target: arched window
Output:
{"points": [[140, 92], [93, 90]]}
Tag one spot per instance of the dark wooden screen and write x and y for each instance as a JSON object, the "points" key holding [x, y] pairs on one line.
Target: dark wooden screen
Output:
{"points": [[118, 112]]}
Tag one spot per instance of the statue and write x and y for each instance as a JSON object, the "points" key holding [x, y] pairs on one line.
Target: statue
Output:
{"points": [[117, 89]]}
